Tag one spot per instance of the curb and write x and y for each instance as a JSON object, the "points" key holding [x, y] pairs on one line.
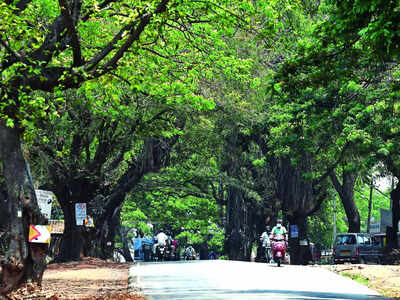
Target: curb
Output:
{"points": [[133, 280]]}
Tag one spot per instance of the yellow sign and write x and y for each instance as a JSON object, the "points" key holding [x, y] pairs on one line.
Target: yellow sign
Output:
{"points": [[39, 234]]}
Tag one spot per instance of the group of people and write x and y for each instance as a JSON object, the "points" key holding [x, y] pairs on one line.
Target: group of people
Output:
{"points": [[164, 240], [164, 247]]}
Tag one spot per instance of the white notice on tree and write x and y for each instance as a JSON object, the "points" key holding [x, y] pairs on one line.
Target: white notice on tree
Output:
{"points": [[80, 213], [45, 201]]}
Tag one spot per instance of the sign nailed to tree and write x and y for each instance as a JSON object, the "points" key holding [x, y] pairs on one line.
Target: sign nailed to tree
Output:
{"points": [[39, 234], [88, 222], [80, 213], [294, 231], [45, 200]]}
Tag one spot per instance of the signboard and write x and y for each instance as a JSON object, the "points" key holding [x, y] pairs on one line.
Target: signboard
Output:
{"points": [[80, 213], [294, 231], [39, 234], [89, 222], [303, 243], [45, 201], [375, 228], [386, 217]]}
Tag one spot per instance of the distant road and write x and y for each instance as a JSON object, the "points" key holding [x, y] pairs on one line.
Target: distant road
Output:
{"points": [[233, 280]]}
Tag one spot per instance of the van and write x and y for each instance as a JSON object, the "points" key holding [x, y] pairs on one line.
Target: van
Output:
{"points": [[356, 248]]}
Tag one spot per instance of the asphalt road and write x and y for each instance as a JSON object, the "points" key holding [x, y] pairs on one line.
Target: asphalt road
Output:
{"points": [[217, 279]]}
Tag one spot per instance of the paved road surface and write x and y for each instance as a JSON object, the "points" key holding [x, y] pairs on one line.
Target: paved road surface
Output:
{"points": [[233, 280]]}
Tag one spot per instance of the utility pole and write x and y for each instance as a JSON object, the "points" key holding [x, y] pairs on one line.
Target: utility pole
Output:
{"points": [[370, 205], [391, 203], [334, 219]]}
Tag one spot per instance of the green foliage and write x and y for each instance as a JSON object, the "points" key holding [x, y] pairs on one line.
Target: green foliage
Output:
{"points": [[379, 201], [179, 199], [300, 76], [321, 224]]}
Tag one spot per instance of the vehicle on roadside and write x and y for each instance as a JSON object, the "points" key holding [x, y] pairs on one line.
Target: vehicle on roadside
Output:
{"points": [[356, 248]]}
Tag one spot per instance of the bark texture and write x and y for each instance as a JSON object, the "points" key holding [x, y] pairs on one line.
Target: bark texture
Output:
{"points": [[23, 262], [246, 214], [393, 242], [238, 231], [299, 199]]}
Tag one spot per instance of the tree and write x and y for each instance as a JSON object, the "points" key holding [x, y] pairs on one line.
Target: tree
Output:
{"points": [[91, 164], [370, 28], [180, 198], [345, 191], [53, 46]]}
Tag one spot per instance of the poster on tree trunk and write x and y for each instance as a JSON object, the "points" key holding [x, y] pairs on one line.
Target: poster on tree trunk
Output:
{"points": [[294, 231], [45, 201], [80, 213], [39, 234], [89, 222]]}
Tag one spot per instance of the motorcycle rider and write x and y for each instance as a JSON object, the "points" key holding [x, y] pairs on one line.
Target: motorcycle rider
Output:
{"points": [[279, 229], [160, 240], [190, 253], [265, 237], [266, 243]]}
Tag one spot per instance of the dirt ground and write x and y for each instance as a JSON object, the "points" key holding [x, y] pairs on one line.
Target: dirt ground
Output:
{"points": [[89, 279], [384, 279]]}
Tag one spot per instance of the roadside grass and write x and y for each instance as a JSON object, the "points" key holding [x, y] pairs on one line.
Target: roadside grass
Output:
{"points": [[365, 281], [358, 278]]}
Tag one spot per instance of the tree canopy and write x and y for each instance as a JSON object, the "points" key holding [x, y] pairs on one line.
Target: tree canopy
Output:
{"points": [[209, 118]]}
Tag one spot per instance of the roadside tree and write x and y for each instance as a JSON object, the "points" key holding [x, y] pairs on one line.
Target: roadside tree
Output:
{"points": [[57, 45]]}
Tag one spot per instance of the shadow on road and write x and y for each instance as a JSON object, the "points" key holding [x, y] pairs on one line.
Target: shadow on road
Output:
{"points": [[255, 295]]}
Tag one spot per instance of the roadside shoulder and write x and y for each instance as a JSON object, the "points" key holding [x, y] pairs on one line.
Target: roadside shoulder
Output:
{"points": [[385, 279]]}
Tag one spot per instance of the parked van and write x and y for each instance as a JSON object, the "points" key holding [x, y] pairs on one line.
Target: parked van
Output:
{"points": [[356, 248]]}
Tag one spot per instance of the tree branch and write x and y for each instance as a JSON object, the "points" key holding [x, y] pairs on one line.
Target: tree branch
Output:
{"points": [[134, 35], [21, 5], [335, 182], [70, 23]]}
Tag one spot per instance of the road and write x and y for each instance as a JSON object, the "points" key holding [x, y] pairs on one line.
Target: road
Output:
{"points": [[218, 279]]}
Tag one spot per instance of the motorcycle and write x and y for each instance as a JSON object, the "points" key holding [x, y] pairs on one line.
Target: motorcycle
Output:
{"points": [[189, 254], [278, 249], [268, 253], [161, 252], [266, 244]]}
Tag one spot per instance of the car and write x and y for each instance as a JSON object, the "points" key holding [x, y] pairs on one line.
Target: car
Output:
{"points": [[356, 248]]}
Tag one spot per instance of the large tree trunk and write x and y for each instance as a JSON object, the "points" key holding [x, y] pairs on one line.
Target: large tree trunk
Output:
{"points": [[127, 243], [3, 209], [23, 262], [392, 238], [237, 234], [297, 199], [72, 243], [76, 241], [299, 247], [110, 224], [346, 194]]}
